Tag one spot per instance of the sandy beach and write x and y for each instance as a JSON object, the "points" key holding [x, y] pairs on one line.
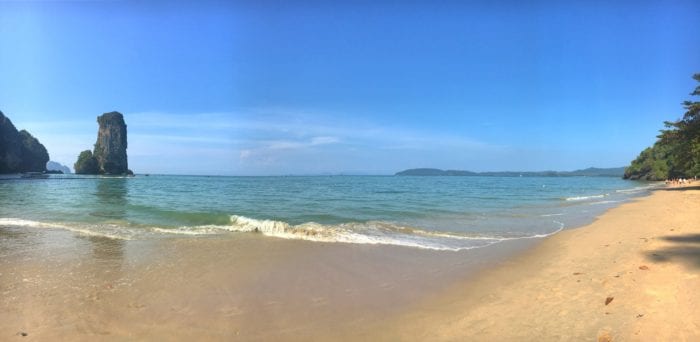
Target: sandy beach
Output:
{"points": [[633, 274]]}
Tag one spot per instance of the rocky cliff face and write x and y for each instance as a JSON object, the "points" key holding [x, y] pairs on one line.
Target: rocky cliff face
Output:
{"points": [[110, 148], [109, 156], [20, 151]]}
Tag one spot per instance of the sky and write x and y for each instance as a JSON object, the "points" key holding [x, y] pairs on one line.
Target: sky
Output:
{"points": [[362, 87]]}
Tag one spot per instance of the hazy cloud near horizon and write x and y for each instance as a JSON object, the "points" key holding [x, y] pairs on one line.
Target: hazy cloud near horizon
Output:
{"points": [[260, 142]]}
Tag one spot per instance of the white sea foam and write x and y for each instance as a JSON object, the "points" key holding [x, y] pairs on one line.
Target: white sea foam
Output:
{"points": [[585, 198], [603, 202], [201, 230], [373, 232], [108, 231], [640, 188], [537, 236]]}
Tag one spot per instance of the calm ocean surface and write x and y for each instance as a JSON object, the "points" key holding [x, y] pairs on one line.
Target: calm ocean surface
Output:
{"points": [[444, 213]]}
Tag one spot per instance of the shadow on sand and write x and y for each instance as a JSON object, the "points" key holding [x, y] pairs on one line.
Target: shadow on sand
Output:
{"points": [[685, 250]]}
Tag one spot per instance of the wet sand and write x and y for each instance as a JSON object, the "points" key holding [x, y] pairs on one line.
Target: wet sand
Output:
{"points": [[57, 285], [645, 255]]}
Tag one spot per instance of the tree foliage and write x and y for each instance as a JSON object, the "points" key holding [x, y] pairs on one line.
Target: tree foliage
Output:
{"points": [[34, 154], [86, 164], [677, 151], [652, 164]]}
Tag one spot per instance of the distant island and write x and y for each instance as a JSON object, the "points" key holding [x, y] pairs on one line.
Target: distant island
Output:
{"points": [[56, 167], [589, 172]]}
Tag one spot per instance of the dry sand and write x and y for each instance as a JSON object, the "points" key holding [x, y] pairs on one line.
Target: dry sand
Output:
{"points": [[632, 275], [645, 255]]}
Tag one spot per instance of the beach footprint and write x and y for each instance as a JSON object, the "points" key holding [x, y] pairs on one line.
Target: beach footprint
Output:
{"points": [[231, 311], [319, 301], [604, 336]]}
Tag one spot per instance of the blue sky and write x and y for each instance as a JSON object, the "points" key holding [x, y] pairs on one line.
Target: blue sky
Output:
{"points": [[285, 87]]}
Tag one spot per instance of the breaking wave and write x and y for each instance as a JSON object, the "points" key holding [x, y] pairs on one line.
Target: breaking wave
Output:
{"points": [[372, 232]]}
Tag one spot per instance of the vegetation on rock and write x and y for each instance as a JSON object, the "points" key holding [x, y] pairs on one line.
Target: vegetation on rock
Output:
{"points": [[86, 164], [34, 154], [20, 151]]}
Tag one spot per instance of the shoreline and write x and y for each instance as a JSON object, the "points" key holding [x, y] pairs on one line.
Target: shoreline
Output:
{"points": [[632, 274]]}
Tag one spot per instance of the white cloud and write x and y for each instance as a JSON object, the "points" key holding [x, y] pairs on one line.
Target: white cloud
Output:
{"points": [[323, 140], [180, 138], [314, 141], [244, 154]]}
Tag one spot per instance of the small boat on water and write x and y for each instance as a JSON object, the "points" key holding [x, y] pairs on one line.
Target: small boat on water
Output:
{"points": [[34, 175]]}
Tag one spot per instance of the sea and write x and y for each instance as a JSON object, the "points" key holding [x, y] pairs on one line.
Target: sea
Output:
{"points": [[436, 213]]}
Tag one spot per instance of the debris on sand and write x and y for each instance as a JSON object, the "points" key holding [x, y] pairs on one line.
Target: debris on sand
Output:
{"points": [[608, 300]]}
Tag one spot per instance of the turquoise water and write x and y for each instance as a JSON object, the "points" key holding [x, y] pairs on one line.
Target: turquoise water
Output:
{"points": [[444, 213]]}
